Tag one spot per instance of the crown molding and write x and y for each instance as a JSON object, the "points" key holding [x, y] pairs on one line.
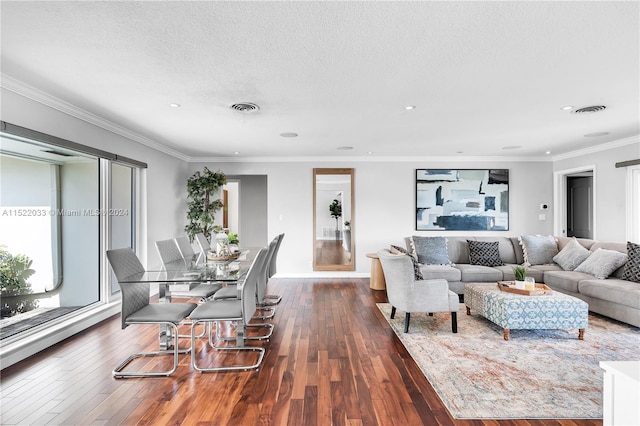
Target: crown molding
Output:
{"points": [[37, 95], [367, 159], [598, 148]]}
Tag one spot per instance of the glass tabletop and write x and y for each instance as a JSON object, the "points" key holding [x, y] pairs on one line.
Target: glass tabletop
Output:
{"points": [[181, 271]]}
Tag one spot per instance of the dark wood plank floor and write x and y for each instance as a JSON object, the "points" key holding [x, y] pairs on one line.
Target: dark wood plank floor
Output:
{"points": [[332, 360]]}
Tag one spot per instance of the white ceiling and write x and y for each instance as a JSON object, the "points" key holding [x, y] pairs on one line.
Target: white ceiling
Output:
{"points": [[482, 75]]}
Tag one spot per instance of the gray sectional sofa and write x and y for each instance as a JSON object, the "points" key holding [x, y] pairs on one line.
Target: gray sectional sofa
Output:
{"points": [[613, 297]]}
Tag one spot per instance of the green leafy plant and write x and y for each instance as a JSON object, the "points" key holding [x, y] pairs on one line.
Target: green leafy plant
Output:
{"points": [[15, 270], [335, 210], [520, 272], [201, 188], [233, 239]]}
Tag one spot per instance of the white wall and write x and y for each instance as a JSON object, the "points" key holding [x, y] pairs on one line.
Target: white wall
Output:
{"points": [[384, 204], [610, 186]]}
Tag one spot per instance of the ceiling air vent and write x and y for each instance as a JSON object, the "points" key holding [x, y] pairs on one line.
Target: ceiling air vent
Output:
{"points": [[589, 109], [245, 107]]}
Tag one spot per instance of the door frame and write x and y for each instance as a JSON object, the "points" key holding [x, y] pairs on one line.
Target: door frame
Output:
{"points": [[560, 199]]}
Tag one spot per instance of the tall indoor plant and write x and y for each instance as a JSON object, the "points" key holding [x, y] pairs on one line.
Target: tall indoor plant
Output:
{"points": [[202, 187], [335, 209]]}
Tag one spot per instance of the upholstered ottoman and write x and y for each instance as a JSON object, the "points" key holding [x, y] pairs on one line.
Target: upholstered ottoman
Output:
{"points": [[515, 311]]}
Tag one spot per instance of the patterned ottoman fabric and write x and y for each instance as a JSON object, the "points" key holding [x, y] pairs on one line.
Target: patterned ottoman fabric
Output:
{"points": [[514, 311]]}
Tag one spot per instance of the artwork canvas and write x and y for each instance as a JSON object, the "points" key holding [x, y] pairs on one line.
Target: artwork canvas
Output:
{"points": [[462, 200]]}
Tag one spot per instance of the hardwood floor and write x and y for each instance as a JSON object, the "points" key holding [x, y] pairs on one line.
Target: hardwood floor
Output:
{"points": [[332, 360], [331, 252]]}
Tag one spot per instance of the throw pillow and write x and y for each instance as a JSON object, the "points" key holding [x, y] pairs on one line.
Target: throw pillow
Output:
{"points": [[602, 263], [484, 253], [572, 255], [416, 266], [631, 271], [538, 249], [430, 250]]}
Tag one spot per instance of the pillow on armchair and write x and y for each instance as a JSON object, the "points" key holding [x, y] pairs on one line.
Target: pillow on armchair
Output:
{"points": [[538, 249], [416, 267]]}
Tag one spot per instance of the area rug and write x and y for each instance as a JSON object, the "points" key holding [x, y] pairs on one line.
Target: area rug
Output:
{"points": [[544, 374]]}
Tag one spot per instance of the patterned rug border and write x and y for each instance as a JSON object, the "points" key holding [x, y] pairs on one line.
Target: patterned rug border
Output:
{"points": [[436, 331]]}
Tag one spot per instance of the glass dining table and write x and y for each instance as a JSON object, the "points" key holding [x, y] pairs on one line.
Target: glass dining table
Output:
{"points": [[190, 273]]}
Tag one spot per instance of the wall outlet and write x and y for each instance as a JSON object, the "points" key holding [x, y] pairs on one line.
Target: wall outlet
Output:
{"points": [[542, 216]]}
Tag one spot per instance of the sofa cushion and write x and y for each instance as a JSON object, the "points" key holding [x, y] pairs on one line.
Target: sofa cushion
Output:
{"points": [[484, 253], [538, 249], [602, 263], [566, 281], [572, 255], [477, 273], [505, 246], [458, 249], [447, 272], [430, 250], [416, 267], [631, 271], [517, 249], [613, 289]]}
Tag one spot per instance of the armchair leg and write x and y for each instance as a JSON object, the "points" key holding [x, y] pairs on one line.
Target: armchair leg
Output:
{"points": [[454, 322], [393, 312], [407, 318]]}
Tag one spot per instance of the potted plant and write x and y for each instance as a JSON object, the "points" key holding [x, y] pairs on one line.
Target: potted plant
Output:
{"points": [[521, 273], [15, 270], [335, 210], [233, 242], [201, 188]]}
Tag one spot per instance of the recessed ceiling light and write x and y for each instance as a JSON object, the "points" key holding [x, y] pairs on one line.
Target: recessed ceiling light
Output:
{"points": [[595, 134], [548, 152], [236, 153], [567, 107], [289, 135], [459, 152], [410, 107], [369, 152], [512, 147], [345, 148], [174, 105]]}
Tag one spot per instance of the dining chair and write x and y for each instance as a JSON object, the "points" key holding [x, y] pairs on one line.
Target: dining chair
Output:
{"points": [[204, 245], [136, 309], [186, 249], [231, 291], [240, 311], [169, 252], [274, 299]]}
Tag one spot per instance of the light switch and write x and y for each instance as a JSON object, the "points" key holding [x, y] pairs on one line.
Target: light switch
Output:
{"points": [[542, 216]]}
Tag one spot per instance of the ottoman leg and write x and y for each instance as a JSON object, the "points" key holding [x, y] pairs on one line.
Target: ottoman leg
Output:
{"points": [[581, 334], [468, 310], [506, 333]]}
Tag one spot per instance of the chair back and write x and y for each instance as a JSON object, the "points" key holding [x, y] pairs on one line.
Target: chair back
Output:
{"points": [[272, 263], [135, 296], [168, 251], [261, 291], [203, 243], [185, 247], [399, 276], [248, 292]]}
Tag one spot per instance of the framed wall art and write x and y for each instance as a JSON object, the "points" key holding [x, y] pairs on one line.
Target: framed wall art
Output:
{"points": [[462, 199]]}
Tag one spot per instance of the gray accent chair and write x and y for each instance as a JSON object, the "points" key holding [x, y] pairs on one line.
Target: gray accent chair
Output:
{"points": [[274, 299], [411, 295], [238, 310], [170, 253], [136, 309], [204, 245]]}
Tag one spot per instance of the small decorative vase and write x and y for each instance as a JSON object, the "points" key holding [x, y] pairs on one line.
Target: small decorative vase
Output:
{"points": [[520, 285]]}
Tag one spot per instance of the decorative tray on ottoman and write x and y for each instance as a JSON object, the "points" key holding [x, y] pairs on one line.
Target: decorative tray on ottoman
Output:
{"points": [[510, 287]]}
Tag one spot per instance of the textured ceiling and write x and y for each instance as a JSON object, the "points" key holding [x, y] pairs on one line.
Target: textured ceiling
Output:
{"points": [[482, 75]]}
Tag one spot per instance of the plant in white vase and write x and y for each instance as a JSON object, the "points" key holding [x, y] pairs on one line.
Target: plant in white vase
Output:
{"points": [[521, 273]]}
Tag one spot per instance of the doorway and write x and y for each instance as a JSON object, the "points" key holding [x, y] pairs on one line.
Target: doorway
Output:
{"points": [[575, 201]]}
